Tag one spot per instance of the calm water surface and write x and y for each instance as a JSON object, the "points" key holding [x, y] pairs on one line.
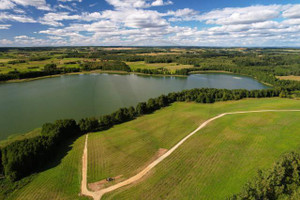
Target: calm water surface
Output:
{"points": [[27, 105]]}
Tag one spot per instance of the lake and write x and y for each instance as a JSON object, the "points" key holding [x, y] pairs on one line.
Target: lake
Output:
{"points": [[25, 106]]}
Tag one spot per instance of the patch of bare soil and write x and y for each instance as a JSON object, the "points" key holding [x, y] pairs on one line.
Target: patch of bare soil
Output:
{"points": [[101, 184]]}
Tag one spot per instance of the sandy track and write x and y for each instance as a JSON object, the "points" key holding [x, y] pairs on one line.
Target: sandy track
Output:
{"points": [[98, 194]]}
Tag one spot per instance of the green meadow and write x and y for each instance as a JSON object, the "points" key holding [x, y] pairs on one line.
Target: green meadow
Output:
{"points": [[213, 164]]}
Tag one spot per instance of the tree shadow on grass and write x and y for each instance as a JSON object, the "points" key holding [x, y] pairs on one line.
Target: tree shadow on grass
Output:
{"points": [[56, 156]]}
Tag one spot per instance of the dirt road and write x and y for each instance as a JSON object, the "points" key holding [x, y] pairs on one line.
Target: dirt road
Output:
{"points": [[98, 194]]}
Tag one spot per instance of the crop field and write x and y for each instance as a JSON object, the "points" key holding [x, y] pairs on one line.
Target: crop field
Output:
{"points": [[126, 149], [217, 162], [170, 66], [38, 65], [293, 78]]}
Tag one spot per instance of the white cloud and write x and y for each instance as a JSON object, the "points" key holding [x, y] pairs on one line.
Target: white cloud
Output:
{"points": [[5, 26], [125, 4], [6, 4], [52, 19], [19, 18], [292, 12], [5, 42], [38, 4], [291, 22], [61, 6], [19, 11], [131, 22], [55, 19], [246, 15], [136, 24], [161, 3], [185, 14]]}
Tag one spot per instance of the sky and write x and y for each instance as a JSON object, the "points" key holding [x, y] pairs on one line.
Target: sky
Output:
{"points": [[223, 23]]}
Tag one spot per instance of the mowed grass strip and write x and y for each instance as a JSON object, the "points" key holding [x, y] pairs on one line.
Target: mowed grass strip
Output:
{"points": [[60, 182], [216, 162]]}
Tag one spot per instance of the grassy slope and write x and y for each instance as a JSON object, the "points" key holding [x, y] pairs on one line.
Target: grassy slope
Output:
{"points": [[60, 182], [126, 148], [218, 162]]}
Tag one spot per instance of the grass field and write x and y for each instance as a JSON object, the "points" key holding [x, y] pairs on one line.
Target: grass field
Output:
{"points": [[170, 66], [59, 182], [38, 65], [293, 78], [210, 165], [218, 162], [126, 149]]}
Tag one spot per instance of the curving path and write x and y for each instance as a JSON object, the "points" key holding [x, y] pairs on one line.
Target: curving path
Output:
{"points": [[98, 194]]}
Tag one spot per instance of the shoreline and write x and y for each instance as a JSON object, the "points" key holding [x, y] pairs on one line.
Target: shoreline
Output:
{"points": [[227, 72], [58, 75], [128, 73], [88, 72]]}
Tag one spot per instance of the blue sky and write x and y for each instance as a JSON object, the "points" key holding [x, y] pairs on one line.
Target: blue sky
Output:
{"points": [[149, 22]]}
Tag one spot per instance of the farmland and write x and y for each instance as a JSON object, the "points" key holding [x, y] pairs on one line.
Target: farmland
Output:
{"points": [[218, 162], [212, 165], [293, 78], [122, 151], [169, 66], [127, 148]]}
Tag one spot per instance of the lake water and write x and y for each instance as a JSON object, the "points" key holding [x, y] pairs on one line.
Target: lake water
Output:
{"points": [[27, 105]]}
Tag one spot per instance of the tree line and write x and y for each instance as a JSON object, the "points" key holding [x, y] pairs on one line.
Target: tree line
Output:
{"points": [[21, 158], [257, 74], [106, 65], [52, 69], [49, 69]]}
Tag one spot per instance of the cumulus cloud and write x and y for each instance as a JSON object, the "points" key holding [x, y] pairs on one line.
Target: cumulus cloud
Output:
{"points": [[136, 22], [292, 12], [125, 4], [161, 3], [6, 42], [246, 15], [61, 6], [19, 18], [5, 26], [6, 4], [55, 19], [38, 4]]}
